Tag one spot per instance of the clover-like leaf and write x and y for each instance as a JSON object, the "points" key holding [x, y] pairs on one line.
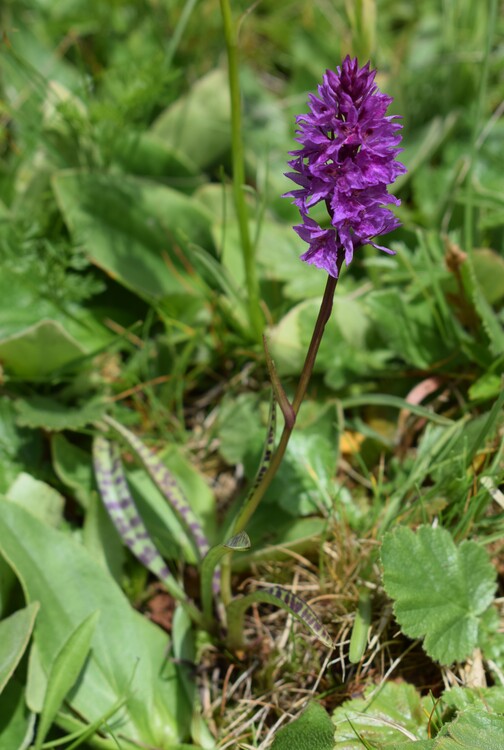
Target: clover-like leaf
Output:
{"points": [[440, 590]]}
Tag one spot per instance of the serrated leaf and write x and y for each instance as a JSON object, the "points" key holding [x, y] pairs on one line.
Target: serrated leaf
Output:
{"points": [[440, 590], [52, 415], [392, 712], [472, 730], [313, 730]]}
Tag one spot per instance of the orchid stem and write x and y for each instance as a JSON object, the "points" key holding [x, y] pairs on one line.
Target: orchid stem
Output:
{"points": [[323, 316]]}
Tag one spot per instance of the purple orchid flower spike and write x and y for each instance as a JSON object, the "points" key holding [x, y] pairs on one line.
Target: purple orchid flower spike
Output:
{"points": [[347, 159]]}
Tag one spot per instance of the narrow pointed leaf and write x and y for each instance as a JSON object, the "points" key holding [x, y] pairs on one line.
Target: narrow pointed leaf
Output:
{"points": [[282, 598], [64, 673], [15, 632], [278, 389], [264, 463], [166, 483], [238, 543], [360, 630]]}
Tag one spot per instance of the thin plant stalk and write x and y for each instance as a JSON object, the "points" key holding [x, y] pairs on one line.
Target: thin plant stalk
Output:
{"points": [[323, 316], [249, 508], [248, 250], [469, 203]]}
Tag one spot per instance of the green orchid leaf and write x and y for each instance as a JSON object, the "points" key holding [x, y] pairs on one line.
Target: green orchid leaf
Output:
{"points": [[440, 590]]}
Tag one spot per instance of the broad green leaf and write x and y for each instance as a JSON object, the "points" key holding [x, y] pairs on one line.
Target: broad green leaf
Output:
{"points": [[39, 350], [387, 713], [180, 125], [73, 328], [440, 590], [101, 539], [49, 414], [15, 632], [313, 730], [147, 155], [64, 672], [16, 721], [127, 649], [38, 498], [118, 218]]}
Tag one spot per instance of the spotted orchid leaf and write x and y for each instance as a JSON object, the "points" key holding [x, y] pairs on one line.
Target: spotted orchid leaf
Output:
{"points": [[122, 510], [282, 598], [264, 463], [166, 483]]}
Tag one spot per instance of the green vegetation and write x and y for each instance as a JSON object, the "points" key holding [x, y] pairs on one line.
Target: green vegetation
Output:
{"points": [[147, 598]]}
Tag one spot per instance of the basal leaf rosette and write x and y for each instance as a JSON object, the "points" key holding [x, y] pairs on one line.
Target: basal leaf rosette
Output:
{"points": [[440, 590]]}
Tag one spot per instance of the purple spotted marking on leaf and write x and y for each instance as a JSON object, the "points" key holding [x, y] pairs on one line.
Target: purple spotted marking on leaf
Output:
{"points": [[166, 483], [267, 450], [123, 513], [282, 598]]}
